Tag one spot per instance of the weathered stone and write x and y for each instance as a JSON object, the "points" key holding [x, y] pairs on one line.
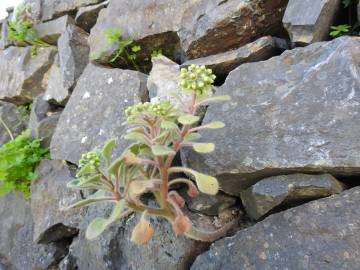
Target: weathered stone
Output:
{"points": [[49, 196], [272, 192], [71, 61], [87, 16], [51, 31], [140, 21], [17, 250], [24, 77], [43, 120], [35, 11], [56, 92], [95, 111], [309, 21], [212, 27], [55, 8], [259, 50], [298, 112], [113, 249], [11, 116], [210, 205], [163, 81], [4, 43], [322, 234]]}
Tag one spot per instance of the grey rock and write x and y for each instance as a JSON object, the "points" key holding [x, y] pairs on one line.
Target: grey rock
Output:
{"points": [[43, 120], [113, 249], [23, 77], [259, 50], [36, 6], [72, 59], [95, 111], [49, 197], [309, 21], [55, 8], [210, 205], [163, 81], [56, 92], [4, 43], [212, 27], [12, 118], [297, 112], [322, 234], [51, 31], [17, 250], [68, 263], [139, 21], [275, 191], [86, 17]]}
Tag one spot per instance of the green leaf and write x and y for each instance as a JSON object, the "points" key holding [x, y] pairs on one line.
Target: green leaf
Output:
{"points": [[192, 136], [136, 48], [204, 147], [6, 187], [87, 169], [206, 184], [117, 211], [136, 136], [214, 125], [114, 167], [106, 151], [215, 99], [188, 119], [168, 125], [94, 198], [96, 228], [161, 150]]}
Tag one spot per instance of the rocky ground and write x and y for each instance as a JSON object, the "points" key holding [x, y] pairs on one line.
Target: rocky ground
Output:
{"points": [[288, 160]]}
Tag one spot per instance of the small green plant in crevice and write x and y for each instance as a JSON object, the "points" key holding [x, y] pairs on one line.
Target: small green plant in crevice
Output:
{"points": [[348, 3], [159, 132], [18, 160], [340, 30], [156, 53], [21, 30], [126, 50], [25, 111]]}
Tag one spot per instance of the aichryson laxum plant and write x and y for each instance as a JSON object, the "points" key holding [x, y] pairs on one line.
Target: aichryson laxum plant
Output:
{"points": [[159, 132]]}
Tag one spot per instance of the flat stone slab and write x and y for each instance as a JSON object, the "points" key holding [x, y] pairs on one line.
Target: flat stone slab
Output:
{"points": [[95, 111], [323, 234], [285, 190], [298, 112]]}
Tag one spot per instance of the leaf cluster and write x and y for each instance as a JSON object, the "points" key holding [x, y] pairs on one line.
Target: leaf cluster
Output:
{"points": [[18, 161], [158, 132], [340, 30]]}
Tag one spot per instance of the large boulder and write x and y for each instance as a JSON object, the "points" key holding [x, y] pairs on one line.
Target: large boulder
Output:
{"points": [[259, 50], [323, 234], [286, 190], [24, 77], [71, 61], [49, 198], [211, 27], [297, 112], [17, 249], [95, 111], [12, 118], [54, 8], [140, 20], [309, 21]]}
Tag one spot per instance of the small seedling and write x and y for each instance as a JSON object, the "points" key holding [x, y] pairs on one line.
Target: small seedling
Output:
{"points": [[156, 53], [159, 132], [340, 30]]}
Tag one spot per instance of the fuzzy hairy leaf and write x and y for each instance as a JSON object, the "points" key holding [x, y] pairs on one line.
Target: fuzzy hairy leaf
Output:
{"points": [[215, 99], [98, 196], [192, 136], [106, 151], [206, 183], [161, 150], [214, 125], [188, 119], [204, 147]]}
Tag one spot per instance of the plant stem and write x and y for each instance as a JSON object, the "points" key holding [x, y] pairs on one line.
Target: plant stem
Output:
{"points": [[6, 127]]}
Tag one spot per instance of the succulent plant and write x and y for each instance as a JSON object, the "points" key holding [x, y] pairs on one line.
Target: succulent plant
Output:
{"points": [[159, 132]]}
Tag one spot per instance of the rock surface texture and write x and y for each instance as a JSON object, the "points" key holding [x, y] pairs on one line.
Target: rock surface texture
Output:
{"points": [[23, 77], [309, 21], [302, 116], [323, 234], [95, 111], [12, 118], [274, 191]]}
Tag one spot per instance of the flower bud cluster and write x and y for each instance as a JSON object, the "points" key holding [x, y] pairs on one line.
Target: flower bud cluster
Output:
{"points": [[92, 158], [160, 108], [197, 79]]}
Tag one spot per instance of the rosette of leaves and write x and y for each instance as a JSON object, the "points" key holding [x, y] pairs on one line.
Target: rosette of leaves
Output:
{"points": [[159, 132]]}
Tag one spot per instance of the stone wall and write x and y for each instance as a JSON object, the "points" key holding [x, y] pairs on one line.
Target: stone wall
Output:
{"points": [[291, 136]]}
